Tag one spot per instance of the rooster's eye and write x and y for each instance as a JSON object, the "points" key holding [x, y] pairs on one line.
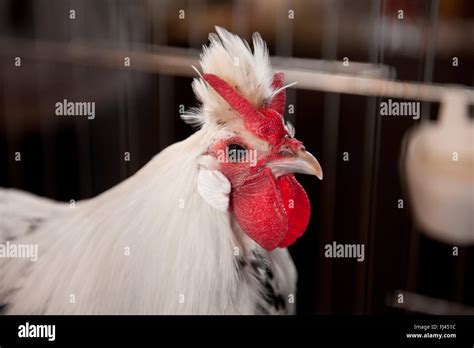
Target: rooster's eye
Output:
{"points": [[236, 153]]}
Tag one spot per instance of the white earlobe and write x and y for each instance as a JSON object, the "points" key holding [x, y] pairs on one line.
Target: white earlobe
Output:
{"points": [[213, 186]]}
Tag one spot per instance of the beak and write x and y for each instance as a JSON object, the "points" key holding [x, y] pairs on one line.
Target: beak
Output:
{"points": [[303, 162]]}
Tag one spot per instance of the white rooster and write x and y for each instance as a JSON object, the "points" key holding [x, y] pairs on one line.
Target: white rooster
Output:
{"points": [[201, 229]]}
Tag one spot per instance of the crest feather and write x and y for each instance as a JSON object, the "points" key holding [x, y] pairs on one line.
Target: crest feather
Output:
{"points": [[232, 59]]}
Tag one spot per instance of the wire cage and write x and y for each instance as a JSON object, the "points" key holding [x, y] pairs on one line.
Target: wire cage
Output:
{"points": [[347, 58]]}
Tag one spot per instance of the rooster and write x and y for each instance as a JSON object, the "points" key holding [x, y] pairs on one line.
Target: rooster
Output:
{"points": [[202, 228]]}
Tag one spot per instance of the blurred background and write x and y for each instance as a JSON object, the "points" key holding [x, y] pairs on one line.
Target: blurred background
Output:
{"points": [[79, 56]]}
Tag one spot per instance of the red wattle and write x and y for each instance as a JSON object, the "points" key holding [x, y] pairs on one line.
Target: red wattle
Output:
{"points": [[274, 213], [297, 207]]}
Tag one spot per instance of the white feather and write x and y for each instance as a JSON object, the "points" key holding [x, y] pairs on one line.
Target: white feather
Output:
{"points": [[20, 212], [290, 128], [230, 58], [212, 185], [276, 91]]}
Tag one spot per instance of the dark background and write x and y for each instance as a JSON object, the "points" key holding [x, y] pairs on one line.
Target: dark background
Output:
{"points": [[137, 111]]}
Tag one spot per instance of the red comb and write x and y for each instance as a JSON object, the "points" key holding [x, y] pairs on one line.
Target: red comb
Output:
{"points": [[265, 123], [278, 101]]}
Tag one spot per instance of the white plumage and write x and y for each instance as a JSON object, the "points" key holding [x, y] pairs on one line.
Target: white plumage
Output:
{"points": [[231, 58], [160, 242]]}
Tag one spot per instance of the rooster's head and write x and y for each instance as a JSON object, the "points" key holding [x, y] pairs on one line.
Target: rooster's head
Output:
{"points": [[251, 154]]}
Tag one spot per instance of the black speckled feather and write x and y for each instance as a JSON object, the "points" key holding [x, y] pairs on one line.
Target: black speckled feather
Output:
{"points": [[271, 301]]}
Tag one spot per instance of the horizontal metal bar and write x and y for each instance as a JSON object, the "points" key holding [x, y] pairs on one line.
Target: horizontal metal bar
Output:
{"points": [[178, 61], [339, 83]]}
